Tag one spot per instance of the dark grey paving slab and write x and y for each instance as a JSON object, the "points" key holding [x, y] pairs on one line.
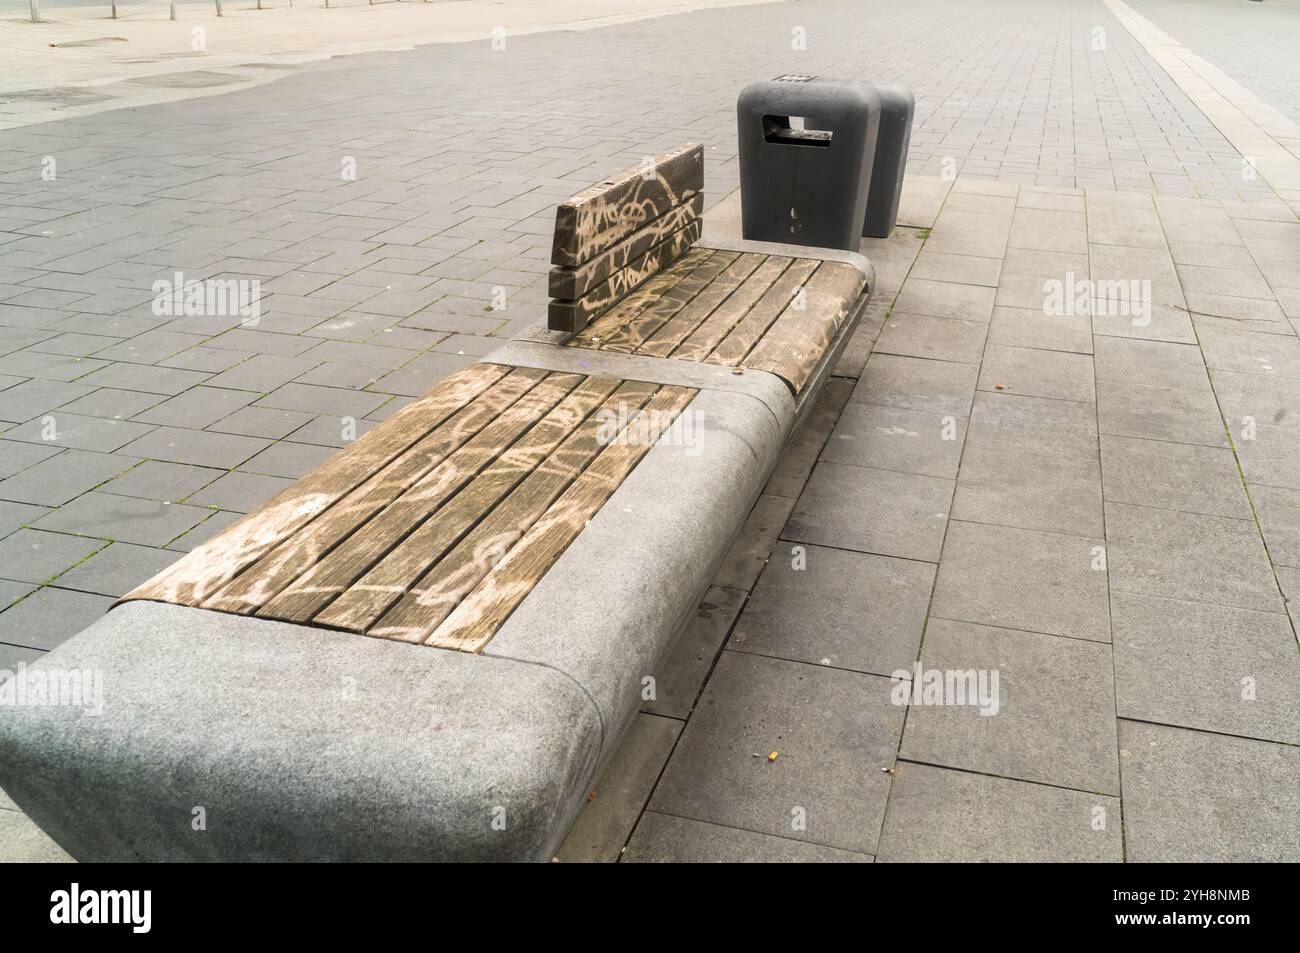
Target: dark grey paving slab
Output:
{"points": [[939, 815], [197, 408], [264, 422], [845, 609], [1021, 579], [287, 459], [158, 480], [124, 518], [112, 402], [1214, 668], [897, 438], [834, 733], [1194, 797], [310, 398], [1038, 424], [60, 429], [58, 479], [49, 617], [1051, 718], [35, 556], [239, 492], [117, 569], [872, 511], [606, 820], [680, 678], [748, 553], [1189, 556], [200, 534], [196, 447], [664, 839], [1173, 476]]}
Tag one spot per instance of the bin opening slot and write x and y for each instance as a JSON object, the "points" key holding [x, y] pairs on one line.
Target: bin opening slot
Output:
{"points": [[792, 131]]}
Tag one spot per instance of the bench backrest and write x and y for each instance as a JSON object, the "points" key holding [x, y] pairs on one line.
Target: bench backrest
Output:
{"points": [[613, 236]]}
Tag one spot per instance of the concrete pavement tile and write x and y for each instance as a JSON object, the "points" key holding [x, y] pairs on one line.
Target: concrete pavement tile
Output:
{"points": [[239, 492], [944, 339], [1021, 579], [197, 408], [1050, 717], [679, 679], [14, 515], [285, 459], [34, 556], [1027, 327], [49, 617], [833, 732], [1155, 363], [25, 843], [123, 518], [16, 456], [848, 610], [1189, 556], [157, 480], [937, 815], [1037, 373], [606, 820], [945, 299], [1214, 668], [61, 429], [196, 447], [56, 480], [1194, 797], [1011, 483], [941, 387], [963, 269], [1278, 512], [1038, 424], [872, 511], [896, 438], [118, 569], [1175, 414], [1173, 476], [664, 839]]}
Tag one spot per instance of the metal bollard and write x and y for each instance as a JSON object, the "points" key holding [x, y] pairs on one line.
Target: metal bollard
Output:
{"points": [[806, 145]]}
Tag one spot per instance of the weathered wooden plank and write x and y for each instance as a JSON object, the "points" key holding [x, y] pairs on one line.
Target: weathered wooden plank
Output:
{"points": [[718, 325], [599, 217], [480, 614], [635, 332], [751, 328], [441, 588], [575, 315], [798, 339], [428, 498], [626, 310], [210, 566], [667, 338], [570, 283]]}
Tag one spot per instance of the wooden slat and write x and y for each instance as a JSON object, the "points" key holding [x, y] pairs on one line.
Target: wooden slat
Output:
{"points": [[421, 502], [751, 328], [480, 614], [719, 324], [210, 566], [599, 217], [635, 333], [640, 299], [575, 315], [798, 339], [667, 338], [570, 283], [440, 589]]}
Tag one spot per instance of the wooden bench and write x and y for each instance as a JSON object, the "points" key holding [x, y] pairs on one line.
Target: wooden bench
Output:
{"points": [[551, 515]]}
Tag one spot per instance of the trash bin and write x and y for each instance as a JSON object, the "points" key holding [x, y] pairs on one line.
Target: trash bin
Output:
{"points": [[806, 151], [896, 108]]}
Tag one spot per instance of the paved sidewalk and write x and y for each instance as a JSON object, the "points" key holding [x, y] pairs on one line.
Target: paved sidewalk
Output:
{"points": [[1105, 511]]}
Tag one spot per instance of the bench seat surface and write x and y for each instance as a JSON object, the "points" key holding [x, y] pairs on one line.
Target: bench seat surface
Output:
{"points": [[763, 312], [436, 525]]}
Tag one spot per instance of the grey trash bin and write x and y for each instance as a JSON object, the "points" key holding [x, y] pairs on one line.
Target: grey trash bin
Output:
{"points": [[896, 108], [806, 150]]}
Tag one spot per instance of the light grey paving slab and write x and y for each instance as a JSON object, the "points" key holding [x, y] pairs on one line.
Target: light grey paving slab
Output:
{"points": [[11, 656], [124, 518], [196, 447], [1038, 424], [1268, 455], [117, 569], [606, 820], [1037, 373], [1189, 556], [833, 607], [49, 617], [1214, 668], [1049, 717], [749, 551], [944, 339], [664, 839], [14, 515], [872, 511], [1031, 328], [16, 456], [1021, 579], [945, 299], [680, 677], [1176, 414], [1173, 476], [939, 815], [834, 732], [1154, 363], [35, 556], [57, 480], [1278, 512], [800, 455], [966, 269], [1250, 352], [22, 842], [1196, 797], [1010, 482], [11, 591], [897, 438], [942, 387]]}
